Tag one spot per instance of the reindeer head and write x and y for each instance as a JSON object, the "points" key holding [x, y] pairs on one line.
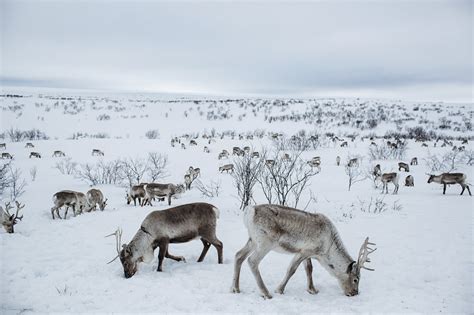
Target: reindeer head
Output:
{"points": [[126, 254], [9, 220], [350, 283], [431, 178], [103, 204]]}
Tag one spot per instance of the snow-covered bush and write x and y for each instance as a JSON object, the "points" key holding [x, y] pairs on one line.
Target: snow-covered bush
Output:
{"points": [[152, 134]]}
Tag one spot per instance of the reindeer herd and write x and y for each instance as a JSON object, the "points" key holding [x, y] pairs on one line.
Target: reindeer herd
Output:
{"points": [[270, 227]]}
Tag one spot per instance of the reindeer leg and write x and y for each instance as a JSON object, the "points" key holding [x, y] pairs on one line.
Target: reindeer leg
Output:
{"points": [[177, 258], [239, 259], [309, 276], [161, 255], [169, 200], [444, 188], [468, 190], [297, 260], [254, 260], [463, 188], [205, 248]]}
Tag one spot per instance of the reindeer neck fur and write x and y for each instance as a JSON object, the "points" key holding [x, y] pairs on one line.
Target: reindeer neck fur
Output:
{"points": [[142, 246], [337, 260]]}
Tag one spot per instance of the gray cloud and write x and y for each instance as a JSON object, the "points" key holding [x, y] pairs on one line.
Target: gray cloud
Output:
{"points": [[241, 48]]}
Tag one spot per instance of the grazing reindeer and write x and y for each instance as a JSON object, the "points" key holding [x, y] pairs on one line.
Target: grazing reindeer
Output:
{"points": [[3, 146], [237, 151], [403, 166], [35, 154], [192, 142], [206, 150], [188, 181], [409, 181], [307, 235], [377, 171], [247, 149], [6, 155], [76, 200], [222, 155], [414, 161], [389, 178], [29, 145], [9, 220], [175, 225], [227, 168], [353, 162], [97, 152], [286, 157], [425, 145], [269, 162], [338, 160], [58, 153], [255, 155], [450, 178], [136, 192], [96, 197], [344, 144], [183, 146], [160, 190]]}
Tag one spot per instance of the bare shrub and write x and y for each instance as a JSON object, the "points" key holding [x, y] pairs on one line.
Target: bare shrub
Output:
{"points": [[210, 190], [152, 134], [378, 205], [445, 163], [4, 177], [157, 164], [246, 172], [17, 135], [385, 152], [17, 183], [101, 172], [66, 166], [354, 174], [133, 170]]}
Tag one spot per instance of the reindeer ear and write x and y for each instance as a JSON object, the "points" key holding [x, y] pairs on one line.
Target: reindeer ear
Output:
{"points": [[351, 268], [11, 217]]}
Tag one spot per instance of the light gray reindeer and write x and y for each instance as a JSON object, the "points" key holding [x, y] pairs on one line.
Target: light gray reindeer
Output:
{"points": [[450, 178], [77, 200], [96, 197], [161, 190], [9, 220], [307, 235], [136, 192], [386, 178], [174, 225]]}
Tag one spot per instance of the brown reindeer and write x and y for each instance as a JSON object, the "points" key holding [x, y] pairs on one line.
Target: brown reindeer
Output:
{"points": [[136, 192], [180, 224], [77, 200], [35, 154], [161, 190], [6, 155], [338, 160], [97, 152], [389, 178], [409, 181], [414, 161], [403, 166], [58, 153], [449, 179], [228, 168], [29, 145], [96, 197], [9, 220], [3, 146]]}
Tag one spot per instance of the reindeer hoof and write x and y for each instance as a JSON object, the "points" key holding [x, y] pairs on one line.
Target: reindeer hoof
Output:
{"points": [[312, 291], [267, 296], [235, 290], [279, 290], [181, 258]]}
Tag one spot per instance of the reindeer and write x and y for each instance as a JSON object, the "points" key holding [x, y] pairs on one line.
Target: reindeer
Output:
{"points": [[188, 181], [450, 178], [409, 181], [58, 153], [206, 150], [389, 178], [255, 155], [192, 142], [9, 220], [160, 190], [414, 161], [29, 145], [95, 197], [424, 145], [35, 154], [77, 200], [353, 162], [338, 160], [97, 152], [237, 151], [269, 163], [136, 192], [247, 149], [183, 146], [3, 146], [227, 168], [344, 144], [403, 166], [307, 235], [6, 155], [286, 157], [377, 171], [174, 225]]}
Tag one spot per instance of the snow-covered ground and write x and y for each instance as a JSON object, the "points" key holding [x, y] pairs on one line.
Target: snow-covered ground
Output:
{"points": [[424, 261]]}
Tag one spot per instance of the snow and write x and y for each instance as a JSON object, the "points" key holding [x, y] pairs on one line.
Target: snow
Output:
{"points": [[424, 260]]}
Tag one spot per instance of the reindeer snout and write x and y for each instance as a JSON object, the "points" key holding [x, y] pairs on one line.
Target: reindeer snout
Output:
{"points": [[352, 293]]}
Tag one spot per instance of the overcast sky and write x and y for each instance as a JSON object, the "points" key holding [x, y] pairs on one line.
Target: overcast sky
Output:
{"points": [[402, 49]]}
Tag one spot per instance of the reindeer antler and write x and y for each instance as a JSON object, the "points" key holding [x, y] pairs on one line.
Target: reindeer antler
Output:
{"points": [[364, 252], [118, 242], [8, 207], [19, 206]]}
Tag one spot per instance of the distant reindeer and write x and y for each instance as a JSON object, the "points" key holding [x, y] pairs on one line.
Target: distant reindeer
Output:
{"points": [[237, 151], [175, 225], [35, 154], [389, 178], [377, 171], [247, 149], [269, 162], [95, 197], [414, 161], [338, 160], [227, 168], [183, 146], [192, 142], [409, 181], [344, 144], [6, 155], [425, 145], [188, 180], [58, 153], [136, 192], [449, 179], [307, 235], [353, 162], [29, 145], [76, 200], [3, 146], [10, 220], [206, 150], [97, 152], [403, 166], [160, 190], [255, 155], [286, 157]]}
